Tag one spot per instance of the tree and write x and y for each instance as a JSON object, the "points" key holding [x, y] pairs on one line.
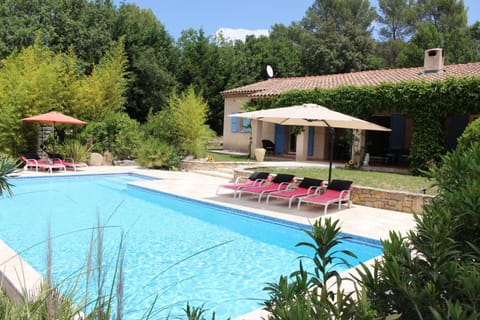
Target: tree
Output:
{"points": [[442, 23], [398, 19], [397, 16], [426, 37], [85, 24], [445, 15], [284, 53], [104, 90], [21, 21], [202, 67], [152, 60], [474, 31], [338, 37]]}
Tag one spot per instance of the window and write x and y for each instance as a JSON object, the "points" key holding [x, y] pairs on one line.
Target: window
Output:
{"points": [[246, 127], [233, 123]]}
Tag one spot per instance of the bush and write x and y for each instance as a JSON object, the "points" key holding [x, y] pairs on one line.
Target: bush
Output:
{"points": [[154, 153], [471, 134], [7, 167], [182, 124], [117, 133], [313, 295], [433, 272], [74, 149]]}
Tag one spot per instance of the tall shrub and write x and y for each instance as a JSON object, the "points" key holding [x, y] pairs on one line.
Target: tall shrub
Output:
{"points": [[32, 81], [434, 271], [117, 133], [103, 91], [182, 123]]}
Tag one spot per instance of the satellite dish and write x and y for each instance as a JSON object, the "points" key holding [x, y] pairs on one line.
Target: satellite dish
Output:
{"points": [[269, 71]]}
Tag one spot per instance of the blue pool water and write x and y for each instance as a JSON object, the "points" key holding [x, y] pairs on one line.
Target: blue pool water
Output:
{"points": [[162, 236]]}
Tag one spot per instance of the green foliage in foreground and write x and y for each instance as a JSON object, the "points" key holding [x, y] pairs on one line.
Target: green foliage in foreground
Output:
{"points": [[318, 294], [434, 272], [431, 273], [470, 135], [7, 167]]}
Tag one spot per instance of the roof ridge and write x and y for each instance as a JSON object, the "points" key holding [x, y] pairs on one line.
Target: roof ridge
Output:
{"points": [[276, 86]]}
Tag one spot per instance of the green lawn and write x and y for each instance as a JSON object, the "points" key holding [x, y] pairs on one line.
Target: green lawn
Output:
{"points": [[382, 180]]}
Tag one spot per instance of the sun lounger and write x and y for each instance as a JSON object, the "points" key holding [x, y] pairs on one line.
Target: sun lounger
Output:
{"points": [[67, 162], [34, 161], [307, 187], [338, 191], [256, 179], [280, 182]]}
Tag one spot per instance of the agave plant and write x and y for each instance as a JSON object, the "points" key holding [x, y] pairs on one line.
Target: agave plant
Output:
{"points": [[7, 167]]}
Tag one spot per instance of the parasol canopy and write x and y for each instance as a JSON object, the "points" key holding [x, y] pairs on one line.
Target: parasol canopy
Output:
{"points": [[53, 117], [313, 115], [310, 115]]}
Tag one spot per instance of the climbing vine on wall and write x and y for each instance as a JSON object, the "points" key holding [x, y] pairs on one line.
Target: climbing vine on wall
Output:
{"points": [[428, 104]]}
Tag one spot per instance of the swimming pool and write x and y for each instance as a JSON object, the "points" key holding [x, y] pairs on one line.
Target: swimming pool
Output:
{"points": [[160, 230]]}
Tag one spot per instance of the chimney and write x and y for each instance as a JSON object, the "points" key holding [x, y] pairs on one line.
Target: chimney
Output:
{"points": [[434, 60]]}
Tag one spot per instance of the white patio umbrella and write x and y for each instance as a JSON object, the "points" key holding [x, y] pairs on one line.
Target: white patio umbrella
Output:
{"points": [[312, 115]]}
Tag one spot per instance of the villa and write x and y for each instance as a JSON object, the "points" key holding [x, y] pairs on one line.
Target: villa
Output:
{"points": [[386, 147]]}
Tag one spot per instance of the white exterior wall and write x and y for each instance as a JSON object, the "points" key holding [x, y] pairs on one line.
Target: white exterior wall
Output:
{"points": [[319, 141], [234, 141], [239, 141]]}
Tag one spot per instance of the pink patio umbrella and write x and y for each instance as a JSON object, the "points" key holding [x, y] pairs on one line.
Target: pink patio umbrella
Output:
{"points": [[53, 117]]}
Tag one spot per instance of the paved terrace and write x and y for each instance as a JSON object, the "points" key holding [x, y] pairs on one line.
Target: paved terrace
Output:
{"points": [[358, 220]]}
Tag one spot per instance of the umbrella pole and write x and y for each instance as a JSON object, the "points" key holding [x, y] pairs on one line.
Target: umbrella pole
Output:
{"points": [[331, 132]]}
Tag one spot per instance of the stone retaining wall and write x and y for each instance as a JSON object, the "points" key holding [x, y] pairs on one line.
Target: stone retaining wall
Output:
{"points": [[189, 165], [388, 199]]}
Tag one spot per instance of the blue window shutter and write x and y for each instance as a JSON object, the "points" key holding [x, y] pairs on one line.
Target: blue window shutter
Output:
{"points": [[234, 124], [246, 125], [311, 134], [279, 138]]}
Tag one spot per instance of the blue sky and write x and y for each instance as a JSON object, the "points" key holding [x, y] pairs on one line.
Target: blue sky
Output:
{"points": [[212, 15]]}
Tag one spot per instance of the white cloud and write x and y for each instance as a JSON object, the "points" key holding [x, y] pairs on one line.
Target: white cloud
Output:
{"points": [[240, 34]]}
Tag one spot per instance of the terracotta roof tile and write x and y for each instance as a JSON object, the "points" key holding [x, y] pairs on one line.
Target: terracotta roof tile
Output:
{"points": [[276, 86]]}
